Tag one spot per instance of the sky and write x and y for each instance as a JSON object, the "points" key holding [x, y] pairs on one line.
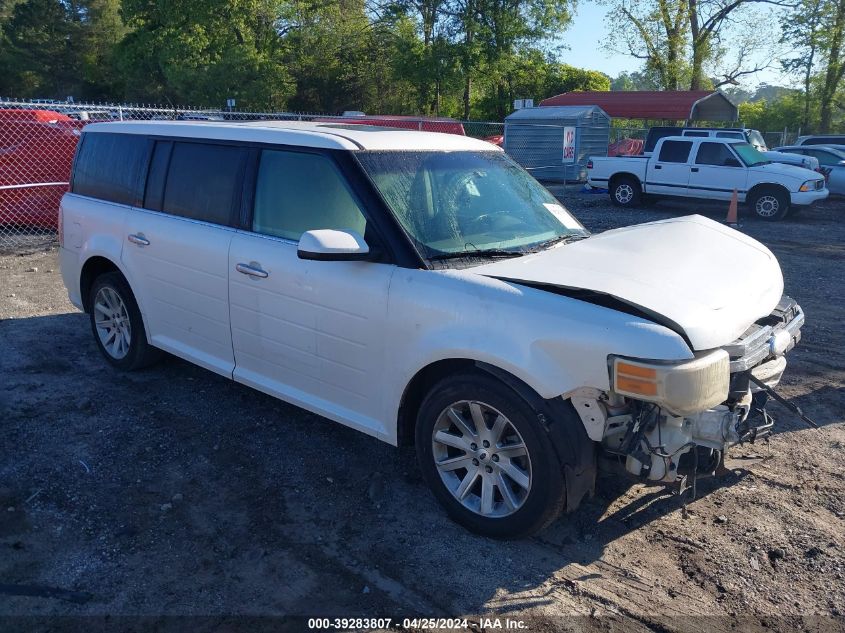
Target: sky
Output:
{"points": [[586, 35]]}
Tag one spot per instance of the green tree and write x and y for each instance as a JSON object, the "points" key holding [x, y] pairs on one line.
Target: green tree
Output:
{"points": [[775, 115], [40, 53], [679, 40], [636, 80], [508, 26], [203, 52]]}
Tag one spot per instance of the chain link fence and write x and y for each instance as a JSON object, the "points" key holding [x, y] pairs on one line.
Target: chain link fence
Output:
{"points": [[38, 141]]}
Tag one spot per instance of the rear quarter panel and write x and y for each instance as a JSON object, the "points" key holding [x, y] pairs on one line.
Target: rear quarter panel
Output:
{"points": [[91, 228], [605, 167]]}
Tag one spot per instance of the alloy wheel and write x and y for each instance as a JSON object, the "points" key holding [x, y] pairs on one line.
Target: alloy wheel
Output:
{"points": [[481, 458], [111, 318]]}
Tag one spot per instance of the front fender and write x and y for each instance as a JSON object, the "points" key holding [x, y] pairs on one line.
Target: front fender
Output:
{"points": [[552, 343]]}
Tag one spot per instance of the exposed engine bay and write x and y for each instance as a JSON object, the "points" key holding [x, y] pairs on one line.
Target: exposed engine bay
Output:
{"points": [[653, 442]]}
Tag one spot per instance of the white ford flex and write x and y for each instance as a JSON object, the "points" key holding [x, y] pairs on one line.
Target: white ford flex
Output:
{"points": [[424, 289]]}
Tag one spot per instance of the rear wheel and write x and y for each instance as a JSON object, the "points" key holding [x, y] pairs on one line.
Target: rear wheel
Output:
{"points": [[487, 459], [770, 204], [117, 324], [625, 191]]}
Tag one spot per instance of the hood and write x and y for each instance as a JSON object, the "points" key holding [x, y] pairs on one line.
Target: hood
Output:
{"points": [[799, 160], [789, 171], [708, 281]]}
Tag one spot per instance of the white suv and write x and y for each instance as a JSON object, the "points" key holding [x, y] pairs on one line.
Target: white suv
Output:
{"points": [[424, 289]]}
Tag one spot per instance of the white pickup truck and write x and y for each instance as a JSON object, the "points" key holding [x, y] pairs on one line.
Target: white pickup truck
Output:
{"points": [[708, 168]]}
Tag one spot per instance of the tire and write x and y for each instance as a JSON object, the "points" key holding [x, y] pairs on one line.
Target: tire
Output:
{"points": [[117, 324], [625, 191], [524, 488], [769, 204]]}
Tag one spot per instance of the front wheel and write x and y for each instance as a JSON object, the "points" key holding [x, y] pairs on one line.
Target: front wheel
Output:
{"points": [[625, 192], [487, 458], [770, 204]]}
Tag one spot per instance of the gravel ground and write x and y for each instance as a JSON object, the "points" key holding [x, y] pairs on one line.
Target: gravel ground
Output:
{"points": [[175, 492]]}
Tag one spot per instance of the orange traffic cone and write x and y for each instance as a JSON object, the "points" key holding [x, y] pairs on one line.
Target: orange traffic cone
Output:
{"points": [[732, 220]]}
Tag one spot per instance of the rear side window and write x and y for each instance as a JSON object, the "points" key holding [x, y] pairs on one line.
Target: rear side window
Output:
{"points": [[675, 151], [297, 192], [111, 167], [203, 181], [825, 140], [714, 154], [825, 158]]}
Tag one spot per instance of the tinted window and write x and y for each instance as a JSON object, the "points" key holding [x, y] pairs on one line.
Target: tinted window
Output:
{"points": [[157, 175], [738, 135], [691, 133], [825, 140], [675, 151], [203, 181], [111, 166], [825, 158], [714, 154], [298, 192]]}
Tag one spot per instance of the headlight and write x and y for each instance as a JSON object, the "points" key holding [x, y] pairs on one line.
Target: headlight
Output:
{"points": [[683, 387], [810, 185]]}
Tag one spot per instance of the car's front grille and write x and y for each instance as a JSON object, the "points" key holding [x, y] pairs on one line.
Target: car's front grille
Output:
{"points": [[771, 336]]}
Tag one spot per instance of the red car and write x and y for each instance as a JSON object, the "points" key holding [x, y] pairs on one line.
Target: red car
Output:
{"points": [[36, 152]]}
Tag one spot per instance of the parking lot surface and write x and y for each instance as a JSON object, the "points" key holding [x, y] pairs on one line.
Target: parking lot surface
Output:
{"points": [[173, 491]]}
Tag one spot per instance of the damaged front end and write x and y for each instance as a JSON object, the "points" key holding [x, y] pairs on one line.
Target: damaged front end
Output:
{"points": [[665, 421]]}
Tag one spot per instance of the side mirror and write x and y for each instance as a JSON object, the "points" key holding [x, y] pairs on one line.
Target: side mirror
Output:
{"points": [[332, 245], [732, 162]]}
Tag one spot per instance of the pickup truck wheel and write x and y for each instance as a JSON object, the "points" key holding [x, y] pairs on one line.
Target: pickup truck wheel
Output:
{"points": [[487, 459], [117, 324], [770, 204], [625, 192]]}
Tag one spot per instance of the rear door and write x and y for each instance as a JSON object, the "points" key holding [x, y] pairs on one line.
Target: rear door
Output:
{"points": [[832, 163], [177, 247], [668, 170], [716, 172]]}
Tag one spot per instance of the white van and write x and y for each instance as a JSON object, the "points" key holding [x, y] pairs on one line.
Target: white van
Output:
{"points": [[424, 289]]}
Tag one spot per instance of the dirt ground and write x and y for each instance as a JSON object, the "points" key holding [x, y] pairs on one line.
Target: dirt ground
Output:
{"points": [[173, 492]]}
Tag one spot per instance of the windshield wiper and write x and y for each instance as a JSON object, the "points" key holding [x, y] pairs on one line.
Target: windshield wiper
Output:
{"points": [[482, 252], [565, 239]]}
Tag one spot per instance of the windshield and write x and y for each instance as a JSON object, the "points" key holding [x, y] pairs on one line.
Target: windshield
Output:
{"points": [[476, 203], [749, 155]]}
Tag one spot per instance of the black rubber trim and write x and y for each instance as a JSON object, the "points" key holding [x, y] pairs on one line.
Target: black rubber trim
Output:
{"points": [[335, 257], [667, 184]]}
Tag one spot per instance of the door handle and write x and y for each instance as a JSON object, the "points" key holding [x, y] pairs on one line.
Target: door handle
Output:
{"points": [[253, 270], [693, 169], [658, 166], [138, 239]]}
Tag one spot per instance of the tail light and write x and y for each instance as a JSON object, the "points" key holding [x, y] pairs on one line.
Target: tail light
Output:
{"points": [[589, 164]]}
